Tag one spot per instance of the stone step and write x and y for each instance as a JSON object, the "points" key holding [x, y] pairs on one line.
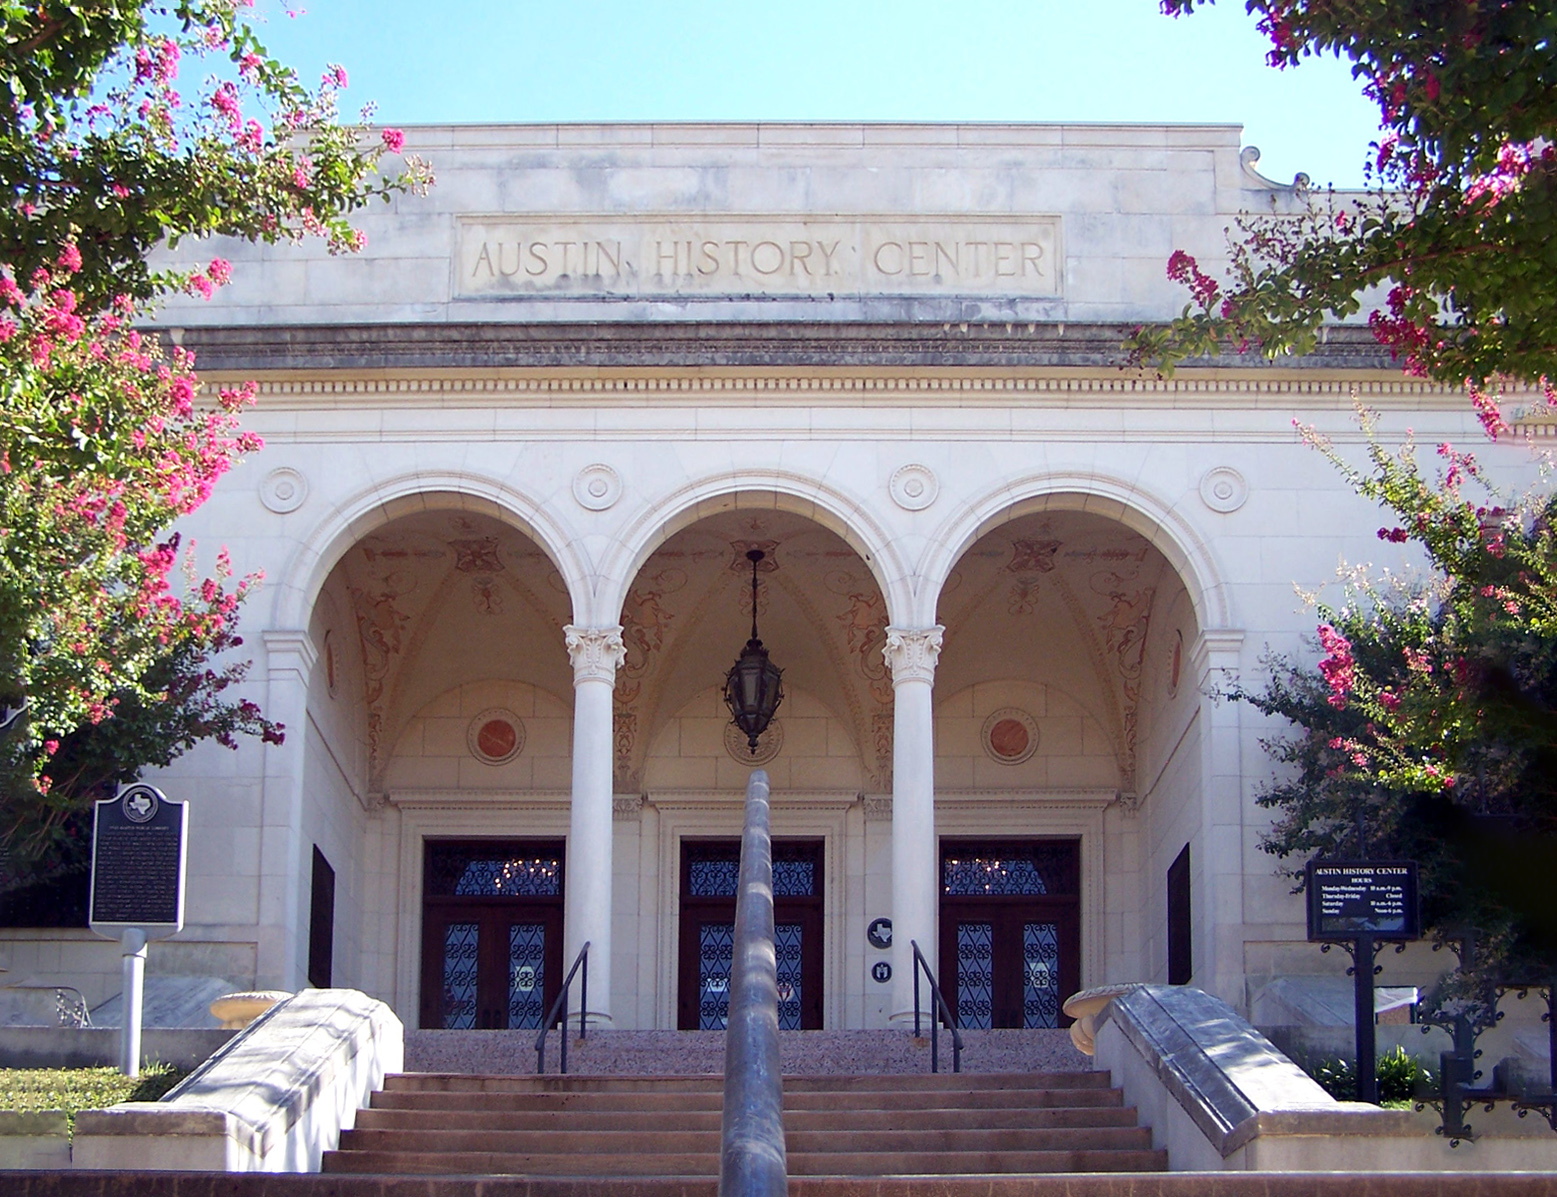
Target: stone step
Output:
{"points": [[836, 1125], [1099, 1184], [676, 1142], [674, 1101], [678, 1052], [947, 1118], [802, 1083], [857, 1164]]}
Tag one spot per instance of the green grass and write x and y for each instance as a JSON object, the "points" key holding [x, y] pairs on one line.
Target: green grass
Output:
{"points": [[73, 1089]]}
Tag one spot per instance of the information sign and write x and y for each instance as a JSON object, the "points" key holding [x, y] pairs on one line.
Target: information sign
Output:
{"points": [[1351, 898], [139, 842]]}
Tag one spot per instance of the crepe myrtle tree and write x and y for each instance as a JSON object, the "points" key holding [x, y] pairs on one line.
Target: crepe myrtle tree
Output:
{"points": [[106, 435], [1428, 729], [1457, 231]]}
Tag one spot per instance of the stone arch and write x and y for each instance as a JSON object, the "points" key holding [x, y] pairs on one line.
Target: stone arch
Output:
{"points": [[382, 502], [1098, 494], [763, 490]]}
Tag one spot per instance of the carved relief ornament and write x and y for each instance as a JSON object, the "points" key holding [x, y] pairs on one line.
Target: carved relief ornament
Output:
{"points": [[912, 653], [596, 653]]}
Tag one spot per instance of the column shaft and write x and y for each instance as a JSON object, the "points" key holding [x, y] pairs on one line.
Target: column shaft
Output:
{"points": [[596, 653], [915, 882]]}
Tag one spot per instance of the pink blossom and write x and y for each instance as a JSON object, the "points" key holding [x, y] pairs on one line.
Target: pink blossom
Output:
{"points": [[1338, 666], [394, 140], [225, 100], [220, 271], [70, 258]]}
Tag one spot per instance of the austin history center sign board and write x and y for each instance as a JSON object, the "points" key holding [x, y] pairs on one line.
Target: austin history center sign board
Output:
{"points": [[1350, 898]]}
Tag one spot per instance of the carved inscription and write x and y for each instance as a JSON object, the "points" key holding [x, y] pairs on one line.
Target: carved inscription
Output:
{"points": [[136, 866], [758, 255]]}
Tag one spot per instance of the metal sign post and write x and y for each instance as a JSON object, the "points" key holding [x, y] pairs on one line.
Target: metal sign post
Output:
{"points": [[1359, 904], [140, 846]]}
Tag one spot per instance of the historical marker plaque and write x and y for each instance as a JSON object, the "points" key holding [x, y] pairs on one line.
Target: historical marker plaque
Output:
{"points": [[138, 849], [1350, 898]]}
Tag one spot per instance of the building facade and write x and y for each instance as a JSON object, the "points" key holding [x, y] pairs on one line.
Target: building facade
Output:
{"points": [[517, 452]]}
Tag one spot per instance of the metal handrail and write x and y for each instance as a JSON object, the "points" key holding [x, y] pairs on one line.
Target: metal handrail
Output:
{"points": [[560, 1003], [69, 1014], [937, 1002], [751, 1138]]}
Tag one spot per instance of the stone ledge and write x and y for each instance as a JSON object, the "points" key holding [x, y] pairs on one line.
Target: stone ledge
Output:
{"points": [[1348, 1118], [273, 1100], [154, 1118], [33, 1122], [1219, 1069]]}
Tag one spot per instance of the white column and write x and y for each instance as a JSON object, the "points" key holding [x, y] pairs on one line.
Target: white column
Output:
{"points": [[1229, 851], [283, 948], [911, 655], [596, 654]]}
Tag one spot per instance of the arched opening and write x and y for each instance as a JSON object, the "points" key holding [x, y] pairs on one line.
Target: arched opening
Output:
{"points": [[1067, 760], [439, 718], [686, 616]]}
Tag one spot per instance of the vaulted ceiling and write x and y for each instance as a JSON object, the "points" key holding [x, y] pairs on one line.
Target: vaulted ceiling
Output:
{"points": [[1063, 598], [1066, 598], [688, 614], [445, 597]]}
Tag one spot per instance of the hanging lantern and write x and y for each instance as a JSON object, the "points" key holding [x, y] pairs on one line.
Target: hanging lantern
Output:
{"points": [[753, 688]]}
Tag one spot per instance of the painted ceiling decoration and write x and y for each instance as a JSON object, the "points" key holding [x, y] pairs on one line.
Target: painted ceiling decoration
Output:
{"points": [[1061, 598], [1058, 596], [688, 613], [449, 593]]}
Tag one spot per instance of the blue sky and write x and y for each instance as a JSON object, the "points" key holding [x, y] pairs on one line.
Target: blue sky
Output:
{"points": [[973, 60]]}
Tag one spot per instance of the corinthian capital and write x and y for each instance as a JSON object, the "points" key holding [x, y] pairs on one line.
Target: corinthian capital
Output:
{"points": [[596, 653], [912, 653]]}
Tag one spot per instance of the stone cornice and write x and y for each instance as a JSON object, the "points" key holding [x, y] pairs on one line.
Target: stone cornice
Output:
{"points": [[1091, 799], [473, 799], [733, 344], [793, 800]]}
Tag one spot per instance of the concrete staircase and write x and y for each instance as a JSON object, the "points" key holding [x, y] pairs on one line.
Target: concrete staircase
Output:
{"points": [[665, 1126]]}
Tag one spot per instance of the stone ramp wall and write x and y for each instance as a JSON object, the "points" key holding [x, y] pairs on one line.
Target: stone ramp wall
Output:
{"points": [[666, 1053]]}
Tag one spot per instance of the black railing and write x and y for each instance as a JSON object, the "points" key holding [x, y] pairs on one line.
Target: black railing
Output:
{"points": [[938, 1010], [561, 1005], [751, 1139]]}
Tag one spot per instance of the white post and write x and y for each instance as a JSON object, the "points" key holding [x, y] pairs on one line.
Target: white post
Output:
{"points": [[911, 655], [132, 949], [596, 654]]}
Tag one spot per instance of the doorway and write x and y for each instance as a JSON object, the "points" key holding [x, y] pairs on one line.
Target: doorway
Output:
{"points": [[491, 933], [710, 870], [1010, 930]]}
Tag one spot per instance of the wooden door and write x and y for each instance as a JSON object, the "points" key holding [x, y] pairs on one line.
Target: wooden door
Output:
{"points": [[491, 933], [709, 873], [1010, 931]]}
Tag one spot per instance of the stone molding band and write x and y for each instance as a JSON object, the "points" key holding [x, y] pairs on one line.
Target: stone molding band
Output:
{"points": [[705, 343]]}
